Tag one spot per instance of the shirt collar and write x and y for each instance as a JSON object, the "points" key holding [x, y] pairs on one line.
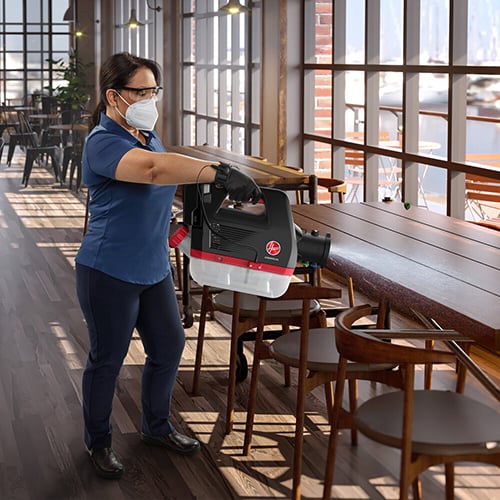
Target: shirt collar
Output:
{"points": [[111, 126]]}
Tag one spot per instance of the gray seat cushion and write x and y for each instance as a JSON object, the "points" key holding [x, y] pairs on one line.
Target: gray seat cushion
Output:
{"points": [[249, 305], [444, 423]]}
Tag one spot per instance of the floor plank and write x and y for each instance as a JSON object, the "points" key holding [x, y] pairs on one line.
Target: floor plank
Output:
{"points": [[43, 344]]}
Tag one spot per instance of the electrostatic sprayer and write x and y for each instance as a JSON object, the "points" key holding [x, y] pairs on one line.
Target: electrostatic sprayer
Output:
{"points": [[250, 248]]}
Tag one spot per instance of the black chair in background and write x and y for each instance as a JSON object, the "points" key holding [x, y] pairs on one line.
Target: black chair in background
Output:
{"points": [[9, 124], [50, 105], [72, 156], [28, 139], [51, 112], [68, 117]]}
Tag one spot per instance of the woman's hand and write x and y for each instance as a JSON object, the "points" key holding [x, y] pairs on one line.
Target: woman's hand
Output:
{"points": [[239, 186]]}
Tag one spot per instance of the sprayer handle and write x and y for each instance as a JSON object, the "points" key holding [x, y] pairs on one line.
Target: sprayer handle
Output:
{"points": [[239, 186]]}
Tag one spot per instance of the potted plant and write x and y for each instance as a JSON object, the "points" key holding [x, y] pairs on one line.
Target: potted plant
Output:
{"points": [[74, 93]]}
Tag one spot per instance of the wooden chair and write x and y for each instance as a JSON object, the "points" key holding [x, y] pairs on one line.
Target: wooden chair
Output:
{"points": [[429, 426], [244, 311], [312, 351], [336, 187], [482, 193], [354, 160]]}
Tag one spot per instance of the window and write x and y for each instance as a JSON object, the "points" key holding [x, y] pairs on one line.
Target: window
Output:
{"points": [[220, 76], [31, 33], [414, 104], [144, 37]]}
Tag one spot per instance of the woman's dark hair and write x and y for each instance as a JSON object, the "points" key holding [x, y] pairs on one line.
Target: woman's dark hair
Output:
{"points": [[116, 72]]}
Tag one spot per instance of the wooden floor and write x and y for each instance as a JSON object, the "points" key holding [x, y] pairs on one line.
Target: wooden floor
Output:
{"points": [[43, 344]]}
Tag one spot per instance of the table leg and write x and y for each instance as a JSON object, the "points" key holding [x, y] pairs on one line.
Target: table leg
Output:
{"points": [[421, 191]]}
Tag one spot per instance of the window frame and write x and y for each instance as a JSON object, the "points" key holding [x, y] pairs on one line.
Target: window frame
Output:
{"points": [[457, 70], [210, 66]]}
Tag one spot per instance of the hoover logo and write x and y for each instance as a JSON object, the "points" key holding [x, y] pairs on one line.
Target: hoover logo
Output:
{"points": [[273, 247]]}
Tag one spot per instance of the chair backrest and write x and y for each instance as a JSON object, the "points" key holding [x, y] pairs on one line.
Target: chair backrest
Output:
{"points": [[78, 140], [305, 292], [50, 104], [4, 120], [8, 118], [70, 116], [482, 188], [30, 137], [355, 156], [365, 346]]}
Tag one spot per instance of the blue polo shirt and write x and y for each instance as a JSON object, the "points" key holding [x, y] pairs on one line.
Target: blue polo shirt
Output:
{"points": [[129, 222]]}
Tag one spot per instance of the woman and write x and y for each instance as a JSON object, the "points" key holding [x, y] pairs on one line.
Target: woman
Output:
{"points": [[122, 268]]}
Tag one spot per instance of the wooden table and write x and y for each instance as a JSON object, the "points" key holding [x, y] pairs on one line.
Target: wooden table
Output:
{"points": [[444, 268], [263, 172], [44, 116], [69, 127]]}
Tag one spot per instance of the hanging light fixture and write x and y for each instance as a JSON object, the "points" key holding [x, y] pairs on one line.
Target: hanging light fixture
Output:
{"points": [[133, 22], [233, 7], [69, 14]]}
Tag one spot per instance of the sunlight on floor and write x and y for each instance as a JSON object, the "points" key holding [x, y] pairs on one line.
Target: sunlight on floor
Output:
{"points": [[69, 250], [239, 483], [66, 347], [387, 486], [37, 210], [350, 491]]}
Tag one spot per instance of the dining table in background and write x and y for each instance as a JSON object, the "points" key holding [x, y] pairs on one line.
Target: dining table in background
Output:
{"points": [[80, 129], [69, 127], [45, 118]]}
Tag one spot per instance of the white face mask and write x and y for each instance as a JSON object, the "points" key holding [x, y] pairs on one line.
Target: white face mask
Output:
{"points": [[141, 115]]}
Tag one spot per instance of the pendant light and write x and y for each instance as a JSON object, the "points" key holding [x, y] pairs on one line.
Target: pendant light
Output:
{"points": [[68, 15], [233, 7], [133, 22]]}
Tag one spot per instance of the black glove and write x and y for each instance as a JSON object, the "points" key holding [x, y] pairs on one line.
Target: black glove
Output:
{"points": [[239, 186]]}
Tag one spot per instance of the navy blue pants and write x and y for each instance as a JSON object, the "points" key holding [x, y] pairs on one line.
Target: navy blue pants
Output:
{"points": [[112, 309]]}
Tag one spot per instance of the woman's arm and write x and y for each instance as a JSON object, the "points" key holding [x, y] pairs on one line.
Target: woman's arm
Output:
{"points": [[148, 167]]}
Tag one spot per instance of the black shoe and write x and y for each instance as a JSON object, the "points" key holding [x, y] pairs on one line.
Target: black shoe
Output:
{"points": [[174, 441], [106, 463]]}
